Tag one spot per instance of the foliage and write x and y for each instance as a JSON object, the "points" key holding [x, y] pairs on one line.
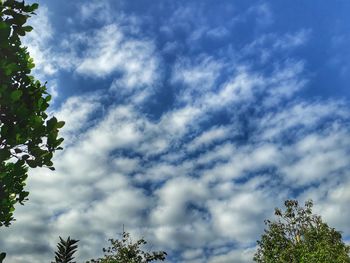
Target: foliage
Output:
{"points": [[125, 250], [2, 257], [298, 236], [66, 250], [28, 137]]}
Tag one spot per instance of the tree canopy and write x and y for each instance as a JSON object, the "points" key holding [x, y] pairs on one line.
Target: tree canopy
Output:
{"points": [[125, 250], [299, 236], [28, 136]]}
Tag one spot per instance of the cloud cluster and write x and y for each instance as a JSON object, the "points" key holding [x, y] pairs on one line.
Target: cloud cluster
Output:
{"points": [[117, 49]]}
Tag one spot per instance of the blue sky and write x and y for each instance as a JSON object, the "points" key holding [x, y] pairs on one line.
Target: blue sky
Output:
{"points": [[187, 122]]}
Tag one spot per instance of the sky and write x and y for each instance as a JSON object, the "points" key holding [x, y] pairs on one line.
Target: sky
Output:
{"points": [[187, 122]]}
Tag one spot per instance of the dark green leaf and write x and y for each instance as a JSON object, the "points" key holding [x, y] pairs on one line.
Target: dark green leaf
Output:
{"points": [[34, 7], [27, 28], [19, 19], [48, 98], [5, 31], [16, 95], [60, 124], [32, 163]]}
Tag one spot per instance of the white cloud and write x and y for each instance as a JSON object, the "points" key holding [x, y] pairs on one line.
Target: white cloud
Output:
{"points": [[267, 45], [215, 134], [109, 50], [77, 112], [96, 10], [115, 49], [317, 157], [306, 115], [243, 161], [200, 75], [173, 198], [178, 121]]}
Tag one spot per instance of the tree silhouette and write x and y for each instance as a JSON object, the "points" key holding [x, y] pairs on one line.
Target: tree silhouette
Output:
{"points": [[65, 250]]}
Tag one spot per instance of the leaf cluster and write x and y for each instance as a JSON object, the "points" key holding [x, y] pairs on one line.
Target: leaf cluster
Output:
{"points": [[299, 236], [28, 136]]}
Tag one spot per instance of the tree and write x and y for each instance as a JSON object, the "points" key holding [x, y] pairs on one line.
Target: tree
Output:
{"points": [[28, 136], [298, 236], [125, 250], [66, 250]]}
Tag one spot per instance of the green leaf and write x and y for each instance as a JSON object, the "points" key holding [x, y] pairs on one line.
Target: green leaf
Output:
{"points": [[51, 123], [27, 28], [60, 124], [16, 95], [34, 7], [19, 19], [30, 8], [5, 31], [4, 154], [21, 32], [32, 163], [40, 102], [12, 67], [48, 98], [59, 141]]}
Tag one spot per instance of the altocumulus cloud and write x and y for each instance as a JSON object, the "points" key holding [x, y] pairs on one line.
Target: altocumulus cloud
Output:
{"points": [[198, 176]]}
